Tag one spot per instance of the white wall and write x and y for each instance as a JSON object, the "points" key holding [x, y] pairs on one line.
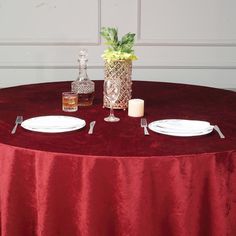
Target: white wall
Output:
{"points": [[184, 41]]}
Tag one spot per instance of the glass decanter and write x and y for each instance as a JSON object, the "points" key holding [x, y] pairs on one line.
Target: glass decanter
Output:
{"points": [[83, 86]]}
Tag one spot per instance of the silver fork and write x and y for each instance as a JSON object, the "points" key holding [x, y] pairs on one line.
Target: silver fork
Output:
{"points": [[217, 129], [19, 120], [144, 125]]}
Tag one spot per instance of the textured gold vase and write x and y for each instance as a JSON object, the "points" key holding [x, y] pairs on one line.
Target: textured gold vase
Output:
{"points": [[121, 69]]}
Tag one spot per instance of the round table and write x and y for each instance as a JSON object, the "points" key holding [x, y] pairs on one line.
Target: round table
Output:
{"points": [[118, 181]]}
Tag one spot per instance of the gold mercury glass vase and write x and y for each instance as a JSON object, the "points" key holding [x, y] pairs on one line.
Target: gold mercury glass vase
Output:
{"points": [[121, 69], [83, 86]]}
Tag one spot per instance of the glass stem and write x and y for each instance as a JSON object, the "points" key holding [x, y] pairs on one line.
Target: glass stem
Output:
{"points": [[111, 109]]}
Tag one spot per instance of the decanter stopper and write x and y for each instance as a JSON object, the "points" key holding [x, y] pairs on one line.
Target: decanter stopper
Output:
{"points": [[83, 86]]}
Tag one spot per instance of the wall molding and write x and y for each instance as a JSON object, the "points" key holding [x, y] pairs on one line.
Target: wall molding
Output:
{"points": [[62, 43], [141, 41], [165, 67]]}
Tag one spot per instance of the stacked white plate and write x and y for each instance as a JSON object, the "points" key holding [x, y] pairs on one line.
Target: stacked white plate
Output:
{"points": [[180, 127], [53, 124]]}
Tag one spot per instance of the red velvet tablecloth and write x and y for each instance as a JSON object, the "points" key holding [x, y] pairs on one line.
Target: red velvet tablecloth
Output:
{"points": [[118, 181]]}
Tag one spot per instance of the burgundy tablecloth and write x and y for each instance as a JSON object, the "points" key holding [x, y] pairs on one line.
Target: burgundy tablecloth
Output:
{"points": [[118, 181]]}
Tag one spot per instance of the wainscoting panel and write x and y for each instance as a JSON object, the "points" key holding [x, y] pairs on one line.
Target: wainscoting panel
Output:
{"points": [[187, 22], [49, 22]]}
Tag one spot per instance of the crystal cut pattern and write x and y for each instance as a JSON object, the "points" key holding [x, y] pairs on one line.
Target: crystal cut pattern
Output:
{"points": [[121, 69], [83, 86]]}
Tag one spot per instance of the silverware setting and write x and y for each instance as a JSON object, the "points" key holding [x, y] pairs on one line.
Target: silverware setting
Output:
{"points": [[92, 124], [19, 120], [217, 129], [144, 125]]}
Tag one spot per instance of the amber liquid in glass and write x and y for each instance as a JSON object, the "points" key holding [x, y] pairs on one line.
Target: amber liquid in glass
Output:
{"points": [[85, 99], [69, 102]]}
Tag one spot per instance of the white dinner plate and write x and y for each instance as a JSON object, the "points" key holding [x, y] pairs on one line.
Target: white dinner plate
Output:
{"points": [[53, 124], [180, 127]]}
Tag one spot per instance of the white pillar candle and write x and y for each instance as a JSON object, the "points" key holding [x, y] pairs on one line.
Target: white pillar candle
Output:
{"points": [[136, 107]]}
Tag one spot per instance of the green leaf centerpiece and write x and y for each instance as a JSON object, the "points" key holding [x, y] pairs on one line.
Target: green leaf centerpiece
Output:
{"points": [[118, 49]]}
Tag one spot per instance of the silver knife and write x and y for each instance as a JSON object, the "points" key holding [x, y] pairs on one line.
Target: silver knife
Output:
{"points": [[92, 124], [217, 129]]}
